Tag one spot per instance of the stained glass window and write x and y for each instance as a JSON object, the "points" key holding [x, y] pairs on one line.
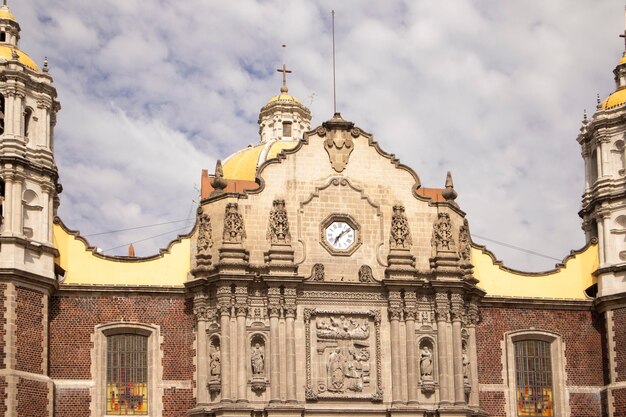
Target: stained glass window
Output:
{"points": [[533, 372], [127, 374]]}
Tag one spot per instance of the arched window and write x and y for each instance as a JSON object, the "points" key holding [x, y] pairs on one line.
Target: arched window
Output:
{"points": [[593, 168], [287, 129], [28, 115], [535, 373], [127, 374], [3, 36], [127, 370], [619, 151]]}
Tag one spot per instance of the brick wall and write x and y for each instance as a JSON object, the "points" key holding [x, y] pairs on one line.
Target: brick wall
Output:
{"points": [[176, 402], [3, 320], [619, 402], [72, 403], [3, 396], [74, 317], [32, 398], [584, 405], [493, 403], [619, 331], [29, 330], [581, 333]]}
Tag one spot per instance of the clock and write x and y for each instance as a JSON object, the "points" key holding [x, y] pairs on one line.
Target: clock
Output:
{"points": [[340, 234]]}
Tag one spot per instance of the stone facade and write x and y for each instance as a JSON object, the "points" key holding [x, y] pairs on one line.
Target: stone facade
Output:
{"points": [[331, 283]]}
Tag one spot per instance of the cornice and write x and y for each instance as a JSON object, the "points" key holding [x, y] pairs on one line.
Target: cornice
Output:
{"points": [[534, 303], [66, 289], [29, 279], [610, 302]]}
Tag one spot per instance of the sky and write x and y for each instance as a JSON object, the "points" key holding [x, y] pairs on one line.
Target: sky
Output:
{"points": [[154, 91]]}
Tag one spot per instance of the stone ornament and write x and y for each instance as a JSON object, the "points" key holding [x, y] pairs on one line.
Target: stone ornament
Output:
{"points": [[442, 233], [465, 243], [427, 366], [257, 359], [317, 273], [344, 349], [338, 143], [215, 365], [258, 382], [365, 274], [218, 183], [466, 369], [234, 229], [400, 234], [205, 238], [278, 226]]}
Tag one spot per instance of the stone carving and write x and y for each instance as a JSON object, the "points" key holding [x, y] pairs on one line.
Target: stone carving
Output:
{"points": [[400, 234], [278, 227], [365, 274], [218, 183], [342, 328], [338, 143], [442, 233], [215, 365], [426, 363], [317, 273], [205, 239], [257, 359], [343, 346], [234, 229], [465, 244], [466, 370]]}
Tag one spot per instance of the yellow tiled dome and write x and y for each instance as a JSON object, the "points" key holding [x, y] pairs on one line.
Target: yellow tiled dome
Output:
{"points": [[615, 99], [284, 97], [6, 53], [6, 14], [242, 165]]}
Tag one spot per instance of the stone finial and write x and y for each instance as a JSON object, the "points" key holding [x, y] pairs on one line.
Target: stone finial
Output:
{"points": [[234, 230], [131, 250], [598, 102], [218, 183], [442, 233], [400, 233], [278, 226], [585, 120], [448, 193]]}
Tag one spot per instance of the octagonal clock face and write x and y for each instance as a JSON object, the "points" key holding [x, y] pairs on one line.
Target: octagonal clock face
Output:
{"points": [[340, 235]]}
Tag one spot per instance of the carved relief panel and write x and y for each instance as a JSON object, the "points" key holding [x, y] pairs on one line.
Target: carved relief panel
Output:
{"points": [[343, 355]]}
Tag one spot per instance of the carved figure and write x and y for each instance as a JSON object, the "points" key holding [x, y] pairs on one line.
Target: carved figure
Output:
{"points": [[365, 274], [442, 233], [278, 227], [426, 362], [335, 370], [215, 362], [258, 359], [466, 366], [205, 240], [465, 248], [400, 234], [317, 273], [342, 328], [234, 230]]}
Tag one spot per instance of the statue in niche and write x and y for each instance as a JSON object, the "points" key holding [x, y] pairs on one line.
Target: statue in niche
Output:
{"points": [[257, 359], [215, 362], [466, 365], [426, 363], [400, 234]]}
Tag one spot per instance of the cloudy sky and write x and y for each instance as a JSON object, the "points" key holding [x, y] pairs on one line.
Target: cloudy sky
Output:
{"points": [[154, 91]]}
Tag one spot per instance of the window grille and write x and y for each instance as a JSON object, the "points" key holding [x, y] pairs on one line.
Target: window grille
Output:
{"points": [[533, 371], [127, 370]]}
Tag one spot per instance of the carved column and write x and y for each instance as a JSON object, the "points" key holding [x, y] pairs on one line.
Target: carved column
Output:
{"points": [[9, 111], [201, 312], [472, 313], [7, 218], [290, 315], [457, 347], [224, 305], [441, 310], [395, 312], [16, 207], [410, 313], [274, 313], [241, 309]]}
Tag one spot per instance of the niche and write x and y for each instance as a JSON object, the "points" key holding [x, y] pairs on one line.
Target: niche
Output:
{"points": [[31, 213], [215, 366], [427, 365], [258, 363]]}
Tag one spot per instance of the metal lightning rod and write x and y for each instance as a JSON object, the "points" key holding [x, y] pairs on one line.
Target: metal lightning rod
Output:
{"points": [[334, 81]]}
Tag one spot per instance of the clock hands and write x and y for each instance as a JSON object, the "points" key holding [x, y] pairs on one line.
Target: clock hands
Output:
{"points": [[343, 232]]}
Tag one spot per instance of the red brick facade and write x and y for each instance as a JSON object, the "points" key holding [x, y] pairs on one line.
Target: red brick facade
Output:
{"points": [[619, 337], [493, 403], [29, 330], [72, 403], [73, 319], [32, 398], [3, 310]]}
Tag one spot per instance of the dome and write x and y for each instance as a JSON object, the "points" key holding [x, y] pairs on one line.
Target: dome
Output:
{"points": [[243, 165], [284, 98], [6, 14], [6, 52], [617, 98]]}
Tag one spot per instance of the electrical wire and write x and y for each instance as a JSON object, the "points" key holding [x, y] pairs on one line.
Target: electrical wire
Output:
{"points": [[148, 238], [135, 228], [528, 251]]}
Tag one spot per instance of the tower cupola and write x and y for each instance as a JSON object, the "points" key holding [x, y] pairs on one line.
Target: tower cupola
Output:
{"points": [[284, 117]]}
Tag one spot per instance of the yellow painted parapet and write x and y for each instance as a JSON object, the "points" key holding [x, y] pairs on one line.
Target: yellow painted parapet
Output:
{"points": [[567, 281], [83, 265]]}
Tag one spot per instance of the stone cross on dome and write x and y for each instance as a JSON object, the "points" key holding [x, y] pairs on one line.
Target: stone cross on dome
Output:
{"points": [[285, 71], [623, 35]]}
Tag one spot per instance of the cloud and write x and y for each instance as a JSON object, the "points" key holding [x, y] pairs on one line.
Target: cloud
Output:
{"points": [[153, 91]]}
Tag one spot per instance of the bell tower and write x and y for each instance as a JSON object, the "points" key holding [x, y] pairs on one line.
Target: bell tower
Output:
{"points": [[28, 201]]}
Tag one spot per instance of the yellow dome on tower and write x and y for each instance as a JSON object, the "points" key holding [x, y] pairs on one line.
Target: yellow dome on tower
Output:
{"points": [[243, 165]]}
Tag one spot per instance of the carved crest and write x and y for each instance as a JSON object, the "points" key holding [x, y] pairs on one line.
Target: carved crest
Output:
{"points": [[339, 146], [465, 246], [442, 233], [365, 274], [234, 229], [317, 272], [400, 234], [278, 226], [205, 239]]}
